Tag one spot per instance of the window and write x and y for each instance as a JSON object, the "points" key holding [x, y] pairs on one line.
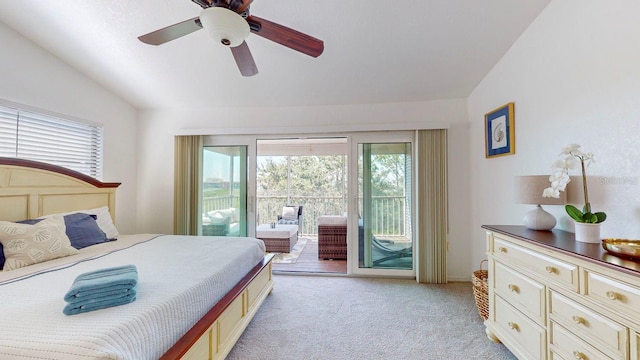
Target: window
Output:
{"points": [[72, 144]]}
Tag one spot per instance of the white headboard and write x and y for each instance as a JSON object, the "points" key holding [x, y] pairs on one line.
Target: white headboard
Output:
{"points": [[30, 189]]}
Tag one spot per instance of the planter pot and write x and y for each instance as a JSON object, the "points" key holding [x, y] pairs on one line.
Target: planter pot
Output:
{"points": [[588, 233]]}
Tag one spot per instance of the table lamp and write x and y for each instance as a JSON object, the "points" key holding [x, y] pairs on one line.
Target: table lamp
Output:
{"points": [[529, 191]]}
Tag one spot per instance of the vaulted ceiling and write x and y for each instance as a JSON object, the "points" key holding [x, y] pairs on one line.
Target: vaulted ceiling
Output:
{"points": [[374, 50]]}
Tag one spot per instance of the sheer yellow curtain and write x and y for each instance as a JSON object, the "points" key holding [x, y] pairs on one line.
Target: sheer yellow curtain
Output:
{"points": [[432, 206], [187, 188]]}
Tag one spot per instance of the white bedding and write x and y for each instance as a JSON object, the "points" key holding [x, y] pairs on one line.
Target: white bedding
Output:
{"points": [[180, 279]]}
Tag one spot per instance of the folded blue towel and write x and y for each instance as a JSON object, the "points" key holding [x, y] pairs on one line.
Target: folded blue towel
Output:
{"points": [[103, 282], [110, 293], [97, 304]]}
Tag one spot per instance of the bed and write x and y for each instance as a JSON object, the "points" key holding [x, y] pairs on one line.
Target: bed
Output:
{"points": [[181, 312]]}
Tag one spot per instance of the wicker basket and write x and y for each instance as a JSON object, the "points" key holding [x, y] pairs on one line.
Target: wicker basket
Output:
{"points": [[481, 291]]}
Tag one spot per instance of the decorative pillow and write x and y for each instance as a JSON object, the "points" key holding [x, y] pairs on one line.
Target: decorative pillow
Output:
{"points": [[103, 219], [83, 230], [288, 222], [217, 217], [1, 257], [235, 215], [232, 213], [290, 213], [25, 244]]}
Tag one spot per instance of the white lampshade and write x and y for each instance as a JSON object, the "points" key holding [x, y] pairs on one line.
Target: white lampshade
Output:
{"points": [[529, 191], [224, 26]]}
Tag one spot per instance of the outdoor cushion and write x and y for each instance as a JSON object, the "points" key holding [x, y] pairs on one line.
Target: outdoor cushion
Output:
{"points": [[288, 222], [290, 213]]}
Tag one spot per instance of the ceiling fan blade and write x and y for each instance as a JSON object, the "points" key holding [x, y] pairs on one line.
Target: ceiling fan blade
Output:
{"points": [[283, 35], [244, 59], [171, 32]]}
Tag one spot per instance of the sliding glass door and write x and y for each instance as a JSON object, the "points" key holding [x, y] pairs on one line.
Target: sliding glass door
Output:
{"points": [[380, 192], [227, 193], [382, 242]]}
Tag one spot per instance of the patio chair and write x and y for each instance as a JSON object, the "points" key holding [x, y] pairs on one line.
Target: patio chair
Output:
{"points": [[381, 246], [291, 215], [332, 237]]}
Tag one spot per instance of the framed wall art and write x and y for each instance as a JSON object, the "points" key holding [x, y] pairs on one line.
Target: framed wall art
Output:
{"points": [[499, 131]]}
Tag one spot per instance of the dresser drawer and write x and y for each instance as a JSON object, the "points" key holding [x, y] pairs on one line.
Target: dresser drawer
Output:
{"points": [[529, 337], [525, 294], [570, 346], [613, 294], [599, 330], [562, 273]]}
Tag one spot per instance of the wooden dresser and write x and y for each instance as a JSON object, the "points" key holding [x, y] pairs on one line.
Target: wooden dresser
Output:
{"points": [[551, 297]]}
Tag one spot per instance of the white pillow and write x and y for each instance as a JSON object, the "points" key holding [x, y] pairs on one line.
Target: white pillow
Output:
{"points": [[221, 215], [25, 244], [103, 219], [217, 217], [290, 213], [235, 215]]}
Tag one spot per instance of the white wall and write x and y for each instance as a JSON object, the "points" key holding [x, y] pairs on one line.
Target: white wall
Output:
{"points": [[35, 78], [155, 194], [574, 76]]}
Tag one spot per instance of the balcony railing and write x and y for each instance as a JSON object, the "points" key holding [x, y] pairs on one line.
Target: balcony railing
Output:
{"points": [[388, 212]]}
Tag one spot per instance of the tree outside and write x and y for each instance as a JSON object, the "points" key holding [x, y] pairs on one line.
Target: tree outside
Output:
{"points": [[319, 184]]}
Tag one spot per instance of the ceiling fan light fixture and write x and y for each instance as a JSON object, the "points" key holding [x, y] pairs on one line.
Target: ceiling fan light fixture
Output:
{"points": [[224, 26]]}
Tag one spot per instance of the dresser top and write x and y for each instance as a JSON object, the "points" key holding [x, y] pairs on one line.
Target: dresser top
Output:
{"points": [[565, 243]]}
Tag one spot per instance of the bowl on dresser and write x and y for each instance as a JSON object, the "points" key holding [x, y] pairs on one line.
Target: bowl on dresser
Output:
{"points": [[623, 247]]}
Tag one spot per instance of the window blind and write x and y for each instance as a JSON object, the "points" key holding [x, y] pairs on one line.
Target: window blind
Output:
{"points": [[33, 136], [8, 131]]}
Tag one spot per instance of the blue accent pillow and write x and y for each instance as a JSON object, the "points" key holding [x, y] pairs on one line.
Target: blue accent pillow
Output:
{"points": [[82, 229]]}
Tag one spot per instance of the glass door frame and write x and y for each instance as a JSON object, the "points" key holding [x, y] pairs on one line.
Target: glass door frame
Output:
{"points": [[250, 143], [402, 136]]}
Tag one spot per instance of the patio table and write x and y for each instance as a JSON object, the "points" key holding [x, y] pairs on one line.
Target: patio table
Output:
{"points": [[279, 239]]}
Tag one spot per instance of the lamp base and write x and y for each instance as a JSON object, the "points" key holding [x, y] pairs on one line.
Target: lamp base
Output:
{"points": [[539, 219]]}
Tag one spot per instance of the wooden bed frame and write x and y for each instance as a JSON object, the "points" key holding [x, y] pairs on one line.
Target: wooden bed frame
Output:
{"points": [[30, 189]]}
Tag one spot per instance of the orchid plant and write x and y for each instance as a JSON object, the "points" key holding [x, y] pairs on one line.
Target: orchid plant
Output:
{"points": [[573, 158]]}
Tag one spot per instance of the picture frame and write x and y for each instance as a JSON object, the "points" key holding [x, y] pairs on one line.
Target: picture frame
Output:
{"points": [[499, 131]]}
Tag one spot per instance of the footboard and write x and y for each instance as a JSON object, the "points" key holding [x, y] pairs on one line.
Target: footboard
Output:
{"points": [[216, 333]]}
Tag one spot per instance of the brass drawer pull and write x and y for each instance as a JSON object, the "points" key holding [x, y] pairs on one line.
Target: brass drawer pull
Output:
{"points": [[612, 295], [551, 270], [578, 320], [513, 288], [513, 326], [502, 249], [580, 356]]}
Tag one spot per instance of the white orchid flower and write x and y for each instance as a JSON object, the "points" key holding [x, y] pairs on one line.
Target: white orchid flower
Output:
{"points": [[589, 158], [573, 158], [572, 162], [559, 165], [559, 175], [551, 192], [559, 185], [570, 149]]}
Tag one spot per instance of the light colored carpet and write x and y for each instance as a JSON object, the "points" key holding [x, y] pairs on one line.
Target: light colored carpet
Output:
{"points": [[293, 255], [316, 317]]}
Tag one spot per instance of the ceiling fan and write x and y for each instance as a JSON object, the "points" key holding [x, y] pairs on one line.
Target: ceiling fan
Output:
{"points": [[229, 22]]}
